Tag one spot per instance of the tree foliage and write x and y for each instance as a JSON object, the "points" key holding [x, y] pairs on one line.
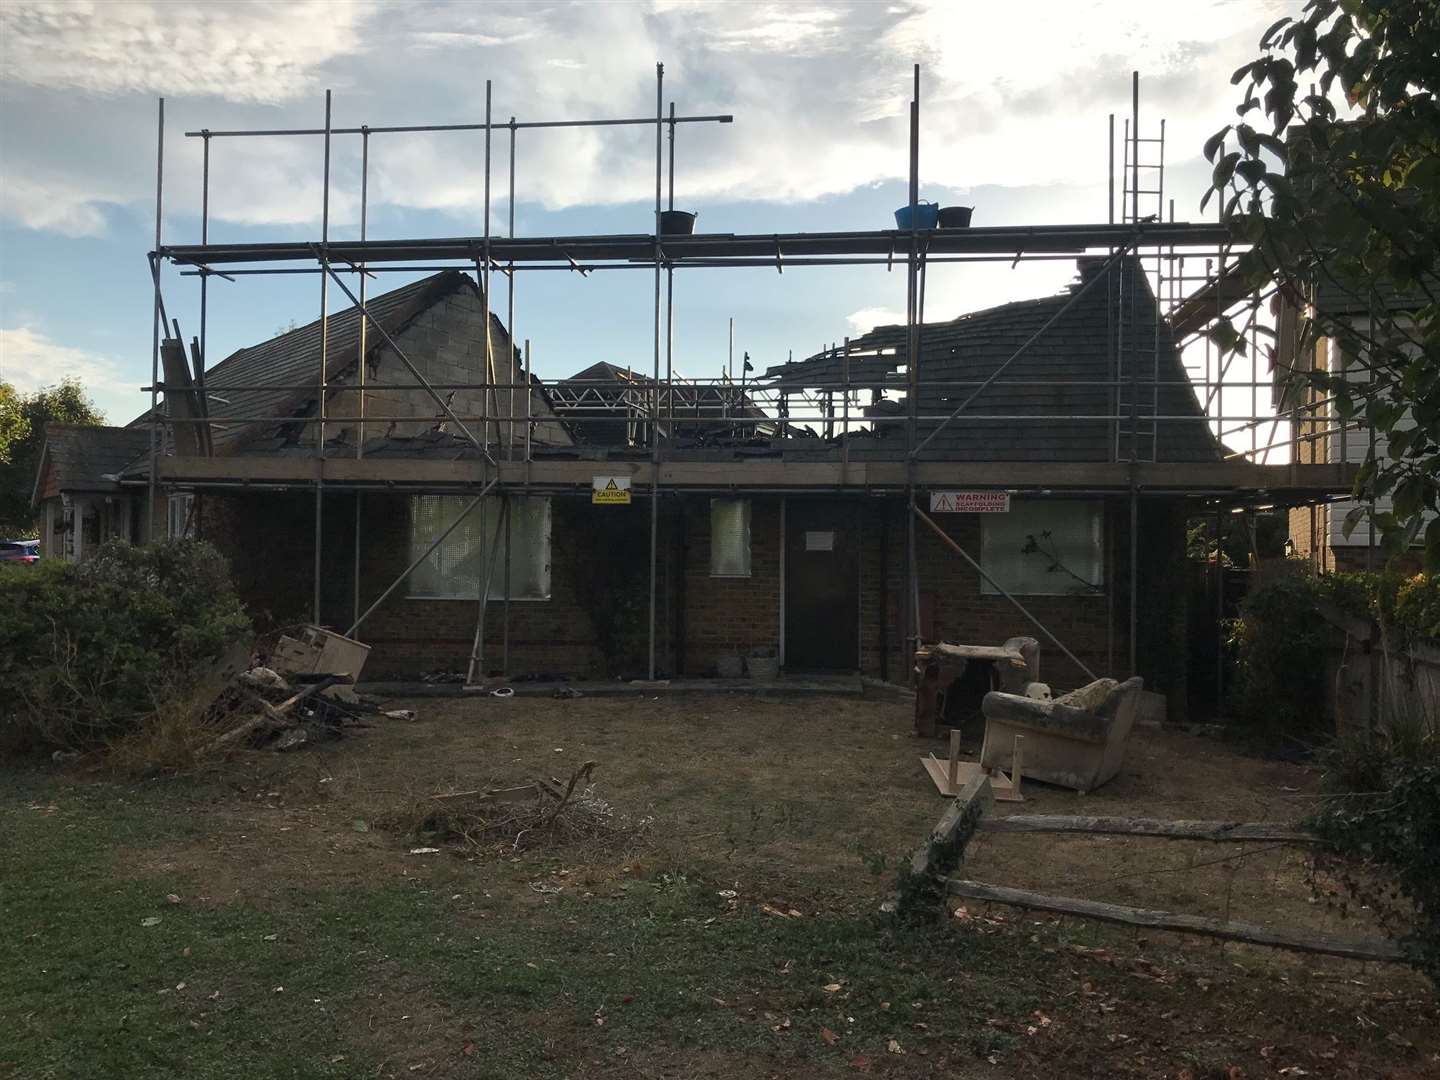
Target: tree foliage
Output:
{"points": [[88, 651], [1351, 205], [22, 435]]}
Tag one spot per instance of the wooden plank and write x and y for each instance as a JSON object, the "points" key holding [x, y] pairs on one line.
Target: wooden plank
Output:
{"points": [[977, 794], [1217, 831], [1323, 944], [1002, 788]]}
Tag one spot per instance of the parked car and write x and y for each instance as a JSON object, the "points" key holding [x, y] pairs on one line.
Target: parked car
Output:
{"points": [[20, 551]]}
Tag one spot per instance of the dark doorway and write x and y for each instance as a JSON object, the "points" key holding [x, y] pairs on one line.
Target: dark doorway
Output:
{"points": [[822, 586]]}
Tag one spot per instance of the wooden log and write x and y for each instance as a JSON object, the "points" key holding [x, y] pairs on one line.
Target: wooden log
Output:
{"points": [[1323, 944], [237, 734], [1216, 831], [944, 835]]}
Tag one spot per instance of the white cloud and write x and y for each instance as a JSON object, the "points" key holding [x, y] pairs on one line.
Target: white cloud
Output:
{"points": [[257, 51], [867, 319], [1011, 96], [29, 359]]}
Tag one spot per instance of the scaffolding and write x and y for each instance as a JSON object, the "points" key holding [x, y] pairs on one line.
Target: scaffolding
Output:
{"points": [[845, 388]]}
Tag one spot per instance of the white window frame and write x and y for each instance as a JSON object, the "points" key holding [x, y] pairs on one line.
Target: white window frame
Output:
{"points": [[465, 537], [178, 520], [991, 543], [718, 505]]}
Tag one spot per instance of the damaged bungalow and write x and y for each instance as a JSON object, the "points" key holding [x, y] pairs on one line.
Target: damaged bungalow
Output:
{"points": [[460, 511]]}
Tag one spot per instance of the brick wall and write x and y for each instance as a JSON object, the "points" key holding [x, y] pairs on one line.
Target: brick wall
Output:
{"points": [[954, 609], [730, 615], [268, 537]]}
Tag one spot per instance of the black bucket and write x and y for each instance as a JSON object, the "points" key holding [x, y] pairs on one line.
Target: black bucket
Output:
{"points": [[955, 217], [676, 222]]}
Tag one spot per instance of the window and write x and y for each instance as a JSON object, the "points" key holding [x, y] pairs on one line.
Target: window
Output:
{"points": [[729, 537], [181, 519], [1043, 548], [456, 570]]}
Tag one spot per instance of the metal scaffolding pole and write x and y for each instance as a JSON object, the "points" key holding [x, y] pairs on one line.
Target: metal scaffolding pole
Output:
{"points": [[155, 327], [1134, 578], [477, 652], [360, 369], [324, 378], [655, 403]]}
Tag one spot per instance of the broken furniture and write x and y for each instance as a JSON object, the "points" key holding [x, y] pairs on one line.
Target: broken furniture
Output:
{"points": [[953, 776], [1010, 667], [1076, 741], [319, 650]]}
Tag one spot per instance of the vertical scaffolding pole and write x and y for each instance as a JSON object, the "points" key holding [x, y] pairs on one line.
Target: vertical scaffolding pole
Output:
{"points": [[477, 651], [1219, 611], [912, 373], [655, 383], [360, 360], [324, 358], [670, 302], [510, 412], [510, 330], [155, 325], [1134, 575]]}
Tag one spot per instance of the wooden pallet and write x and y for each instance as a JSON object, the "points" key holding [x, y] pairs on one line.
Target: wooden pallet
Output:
{"points": [[952, 776]]}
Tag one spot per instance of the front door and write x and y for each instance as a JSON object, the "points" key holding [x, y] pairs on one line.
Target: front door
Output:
{"points": [[822, 586]]}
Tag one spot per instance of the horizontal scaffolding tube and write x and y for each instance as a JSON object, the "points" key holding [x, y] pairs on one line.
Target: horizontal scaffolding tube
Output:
{"points": [[719, 118], [734, 421]]}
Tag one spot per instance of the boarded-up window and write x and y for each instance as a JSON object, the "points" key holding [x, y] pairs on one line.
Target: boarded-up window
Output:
{"points": [[456, 570], [1043, 548], [729, 537]]}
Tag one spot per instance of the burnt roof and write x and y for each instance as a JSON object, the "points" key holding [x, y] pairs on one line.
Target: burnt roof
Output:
{"points": [[293, 358], [79, 457], [1078, 348]]}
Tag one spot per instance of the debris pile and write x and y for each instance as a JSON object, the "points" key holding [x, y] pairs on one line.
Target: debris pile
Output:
{"points": [[545, 812], [261, 708]]}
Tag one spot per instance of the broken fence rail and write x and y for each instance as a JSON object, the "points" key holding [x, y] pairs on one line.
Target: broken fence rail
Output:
{"points": [[1387, 951], [1214, 831], [945, 847]]}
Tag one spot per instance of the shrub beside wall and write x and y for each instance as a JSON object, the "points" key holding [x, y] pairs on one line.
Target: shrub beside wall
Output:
{"points": [[88, 652], [1280, 638]]}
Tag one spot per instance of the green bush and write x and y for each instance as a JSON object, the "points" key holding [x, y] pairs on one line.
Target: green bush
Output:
{"points": [[1391, 825], [89, 652], [1278, 642], [1280, 639]]}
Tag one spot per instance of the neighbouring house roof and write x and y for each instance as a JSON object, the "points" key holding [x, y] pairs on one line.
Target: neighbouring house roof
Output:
{"points": [[80, 458], [1332, 298], [1078, 348]]}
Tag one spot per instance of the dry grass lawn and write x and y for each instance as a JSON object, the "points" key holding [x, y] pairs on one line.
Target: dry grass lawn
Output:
{"points": [[635, 959]]}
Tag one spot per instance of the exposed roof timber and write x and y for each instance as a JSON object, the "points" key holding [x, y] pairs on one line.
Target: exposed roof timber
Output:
{"points": [[1014, 240]]}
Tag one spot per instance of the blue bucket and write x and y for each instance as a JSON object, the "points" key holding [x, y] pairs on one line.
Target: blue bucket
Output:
{"points": [[927, 216]]}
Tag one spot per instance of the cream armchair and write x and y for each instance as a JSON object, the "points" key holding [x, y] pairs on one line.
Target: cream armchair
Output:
{"points": [[1076, 741]]}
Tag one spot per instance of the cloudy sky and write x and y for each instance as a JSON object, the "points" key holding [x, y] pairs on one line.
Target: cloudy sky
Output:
{"points": [[1015, 106]]}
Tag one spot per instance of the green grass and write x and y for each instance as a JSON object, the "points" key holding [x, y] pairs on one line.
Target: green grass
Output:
{"points": [[87, 991]]}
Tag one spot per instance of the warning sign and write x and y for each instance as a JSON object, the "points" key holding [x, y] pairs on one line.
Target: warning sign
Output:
{"points": [[969, 502], [610, 491]]}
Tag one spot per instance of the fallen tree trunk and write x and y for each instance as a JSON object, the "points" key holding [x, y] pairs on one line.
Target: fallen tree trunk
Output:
{"points": [[1185, 924], [1215, 831]]}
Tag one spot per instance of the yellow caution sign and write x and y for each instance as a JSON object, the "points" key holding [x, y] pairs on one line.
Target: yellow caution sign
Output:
{"points": [[610, 491]]}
